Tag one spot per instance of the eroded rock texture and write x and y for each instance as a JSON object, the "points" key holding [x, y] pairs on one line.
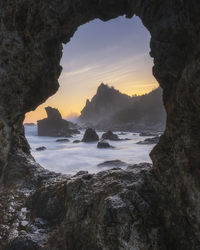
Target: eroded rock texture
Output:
{"points": [[156, 208]]}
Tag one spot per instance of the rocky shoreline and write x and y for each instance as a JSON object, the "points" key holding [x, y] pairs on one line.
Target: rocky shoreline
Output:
{"points": [[63, 207]]}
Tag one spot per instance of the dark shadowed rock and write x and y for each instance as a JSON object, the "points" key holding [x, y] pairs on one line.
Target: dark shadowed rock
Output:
{"points": [[110, 136], [140, 166], [106, 102], [148, 141], [148, 134], [23, 243], [111, 110], [41, 148], [76, 141], [54, 125], [154, 209], [81, 172], [114, 163], [104, 144], [90, 135], [62, 140]]}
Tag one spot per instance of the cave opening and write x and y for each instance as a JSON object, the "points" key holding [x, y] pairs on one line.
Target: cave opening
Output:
{"points": [[150, 207], [108, 60]]}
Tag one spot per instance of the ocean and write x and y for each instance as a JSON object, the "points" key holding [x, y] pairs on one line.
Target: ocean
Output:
{"points": [[70, 158]]}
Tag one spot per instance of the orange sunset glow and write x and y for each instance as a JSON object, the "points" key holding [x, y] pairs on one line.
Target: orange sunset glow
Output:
{"points": [[115, 53]]}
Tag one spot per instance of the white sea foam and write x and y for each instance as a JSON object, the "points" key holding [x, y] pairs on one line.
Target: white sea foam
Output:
{"points": [[69, 157]]}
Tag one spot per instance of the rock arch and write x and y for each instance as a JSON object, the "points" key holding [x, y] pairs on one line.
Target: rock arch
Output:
{"points": [[31, 37]]}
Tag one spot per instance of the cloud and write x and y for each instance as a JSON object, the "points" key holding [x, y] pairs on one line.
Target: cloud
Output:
{"points": [[80, 71]]}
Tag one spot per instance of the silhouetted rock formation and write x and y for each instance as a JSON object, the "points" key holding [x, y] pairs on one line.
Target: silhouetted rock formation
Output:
{"points": [[110, 109], [110, 136], [90, 136], [105, 103], [54, 125]]}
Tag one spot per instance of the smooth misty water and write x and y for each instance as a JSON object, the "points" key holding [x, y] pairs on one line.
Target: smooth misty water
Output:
{"points": [[69, 158]]}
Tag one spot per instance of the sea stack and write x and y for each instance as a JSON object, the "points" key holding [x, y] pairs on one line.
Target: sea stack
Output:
{"points": [[54, 125], [90, 136]]}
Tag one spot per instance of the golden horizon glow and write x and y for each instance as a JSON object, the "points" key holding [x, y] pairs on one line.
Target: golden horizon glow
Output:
{"points": [[40, 113]]}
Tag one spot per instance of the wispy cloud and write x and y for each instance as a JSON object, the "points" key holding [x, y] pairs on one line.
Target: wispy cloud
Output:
{"points": [[80, 71]]}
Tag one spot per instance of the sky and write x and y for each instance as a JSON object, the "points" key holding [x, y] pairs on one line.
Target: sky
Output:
{"points": [[115, 52]]}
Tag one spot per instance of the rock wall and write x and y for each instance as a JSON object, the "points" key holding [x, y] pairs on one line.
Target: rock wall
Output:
{"points": [[31, 37]]}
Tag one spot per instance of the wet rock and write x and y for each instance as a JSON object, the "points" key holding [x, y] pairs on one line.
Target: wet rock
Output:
{"points": [[76, 141], [81, 173], [104, 144], [140, 166], [110, 136], [90, 135], [122, 133], [54, 125], [149, 141], [62, 140], [148, 134], [23, 243], [152, 209], [41, 148], [113, 163]]}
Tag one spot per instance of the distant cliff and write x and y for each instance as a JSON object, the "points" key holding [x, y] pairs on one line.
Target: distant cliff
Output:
{"points": [[104, 104], [110, 109]]}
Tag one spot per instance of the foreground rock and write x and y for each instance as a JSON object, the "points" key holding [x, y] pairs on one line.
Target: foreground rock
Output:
{"points": [[149, 141], [104, 144], [100, 205], [90, 135], [114, 163], [55, 126], [110, 136], [155, 209]]}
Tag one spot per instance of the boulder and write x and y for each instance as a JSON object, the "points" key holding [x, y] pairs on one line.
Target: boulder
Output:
{"points": [[62, 140], [139, 167], [90, 135], [110, 136], [76, 141], [148, 133], [149, 141], [41, 148], [113, 163], [104, 144], [54, 125]]}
